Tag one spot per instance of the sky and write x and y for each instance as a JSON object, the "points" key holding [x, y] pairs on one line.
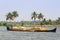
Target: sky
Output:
{"points": [[49, 8]]}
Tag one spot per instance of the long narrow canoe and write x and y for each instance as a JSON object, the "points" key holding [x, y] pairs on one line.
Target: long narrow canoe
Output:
{"points": [[10, 28]]}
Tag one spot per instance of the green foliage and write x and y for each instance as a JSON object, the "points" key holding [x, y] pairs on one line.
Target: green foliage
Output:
{"points": [[46, 22], [34, 16], [22, 23], [43, 22], [49, 22], [15, 14], [58, 20], [4, 24], [9, 16], [12, 15], [40, 16], [1, 24]]}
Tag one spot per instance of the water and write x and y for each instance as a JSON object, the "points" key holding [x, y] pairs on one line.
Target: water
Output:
{"points": [[17, 35]]}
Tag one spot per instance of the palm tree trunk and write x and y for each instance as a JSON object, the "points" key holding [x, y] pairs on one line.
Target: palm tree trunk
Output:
{"points": [[40, 22], [34, 22]]}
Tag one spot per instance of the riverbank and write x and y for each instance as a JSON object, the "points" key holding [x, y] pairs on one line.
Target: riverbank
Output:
{"points": [[36, 25]]}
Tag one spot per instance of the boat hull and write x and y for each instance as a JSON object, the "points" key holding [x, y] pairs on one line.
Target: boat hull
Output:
{"points": [[9, 28], [53, 30]]}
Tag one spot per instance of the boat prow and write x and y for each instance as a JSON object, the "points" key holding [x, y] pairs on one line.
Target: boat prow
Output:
{"points": [[53, 30]]}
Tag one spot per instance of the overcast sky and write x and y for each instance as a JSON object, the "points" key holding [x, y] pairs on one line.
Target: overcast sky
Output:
{"points": [[49, 8]]}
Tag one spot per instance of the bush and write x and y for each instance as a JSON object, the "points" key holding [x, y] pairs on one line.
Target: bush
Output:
{"points": [[4, 24]]}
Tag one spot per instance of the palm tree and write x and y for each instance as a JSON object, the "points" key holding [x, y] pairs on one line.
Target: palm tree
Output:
{"points": [[40, 16], [34, 16], [44, 21], [15, 14], [9, 16]]}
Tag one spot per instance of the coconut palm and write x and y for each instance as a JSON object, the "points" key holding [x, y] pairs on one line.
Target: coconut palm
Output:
{"points": [[40, 16], [44, 21], [34, 16], [9, 17], [15, 14]]}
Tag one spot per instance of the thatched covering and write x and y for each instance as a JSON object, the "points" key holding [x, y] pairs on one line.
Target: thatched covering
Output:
{"points": [[29, 28]]}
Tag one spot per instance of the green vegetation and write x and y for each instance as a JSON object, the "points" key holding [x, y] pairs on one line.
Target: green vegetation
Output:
{"points": [[34, 16], [40, 16], [41, 20], [22, 23], [11, 16]]}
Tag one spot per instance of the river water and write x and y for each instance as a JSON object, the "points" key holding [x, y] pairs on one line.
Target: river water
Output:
{"points": [[17, 35]]}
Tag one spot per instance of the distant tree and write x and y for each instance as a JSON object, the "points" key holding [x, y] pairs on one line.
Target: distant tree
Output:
{"points": [[40, 16], [58, 20], [34, 16], [9, 16], [22, 23], [44, 21], [15, 14], [49, 21], [4, 24]]}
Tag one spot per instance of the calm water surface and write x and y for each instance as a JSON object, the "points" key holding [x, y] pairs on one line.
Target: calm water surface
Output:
{"points": [[17, 35]]}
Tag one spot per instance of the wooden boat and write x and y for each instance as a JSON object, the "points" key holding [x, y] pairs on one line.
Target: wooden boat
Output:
{"points": [[53, 30], [11, 28]]}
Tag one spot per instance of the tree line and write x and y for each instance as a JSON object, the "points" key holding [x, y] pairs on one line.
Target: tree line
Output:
{"points": [[42, 21]]}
